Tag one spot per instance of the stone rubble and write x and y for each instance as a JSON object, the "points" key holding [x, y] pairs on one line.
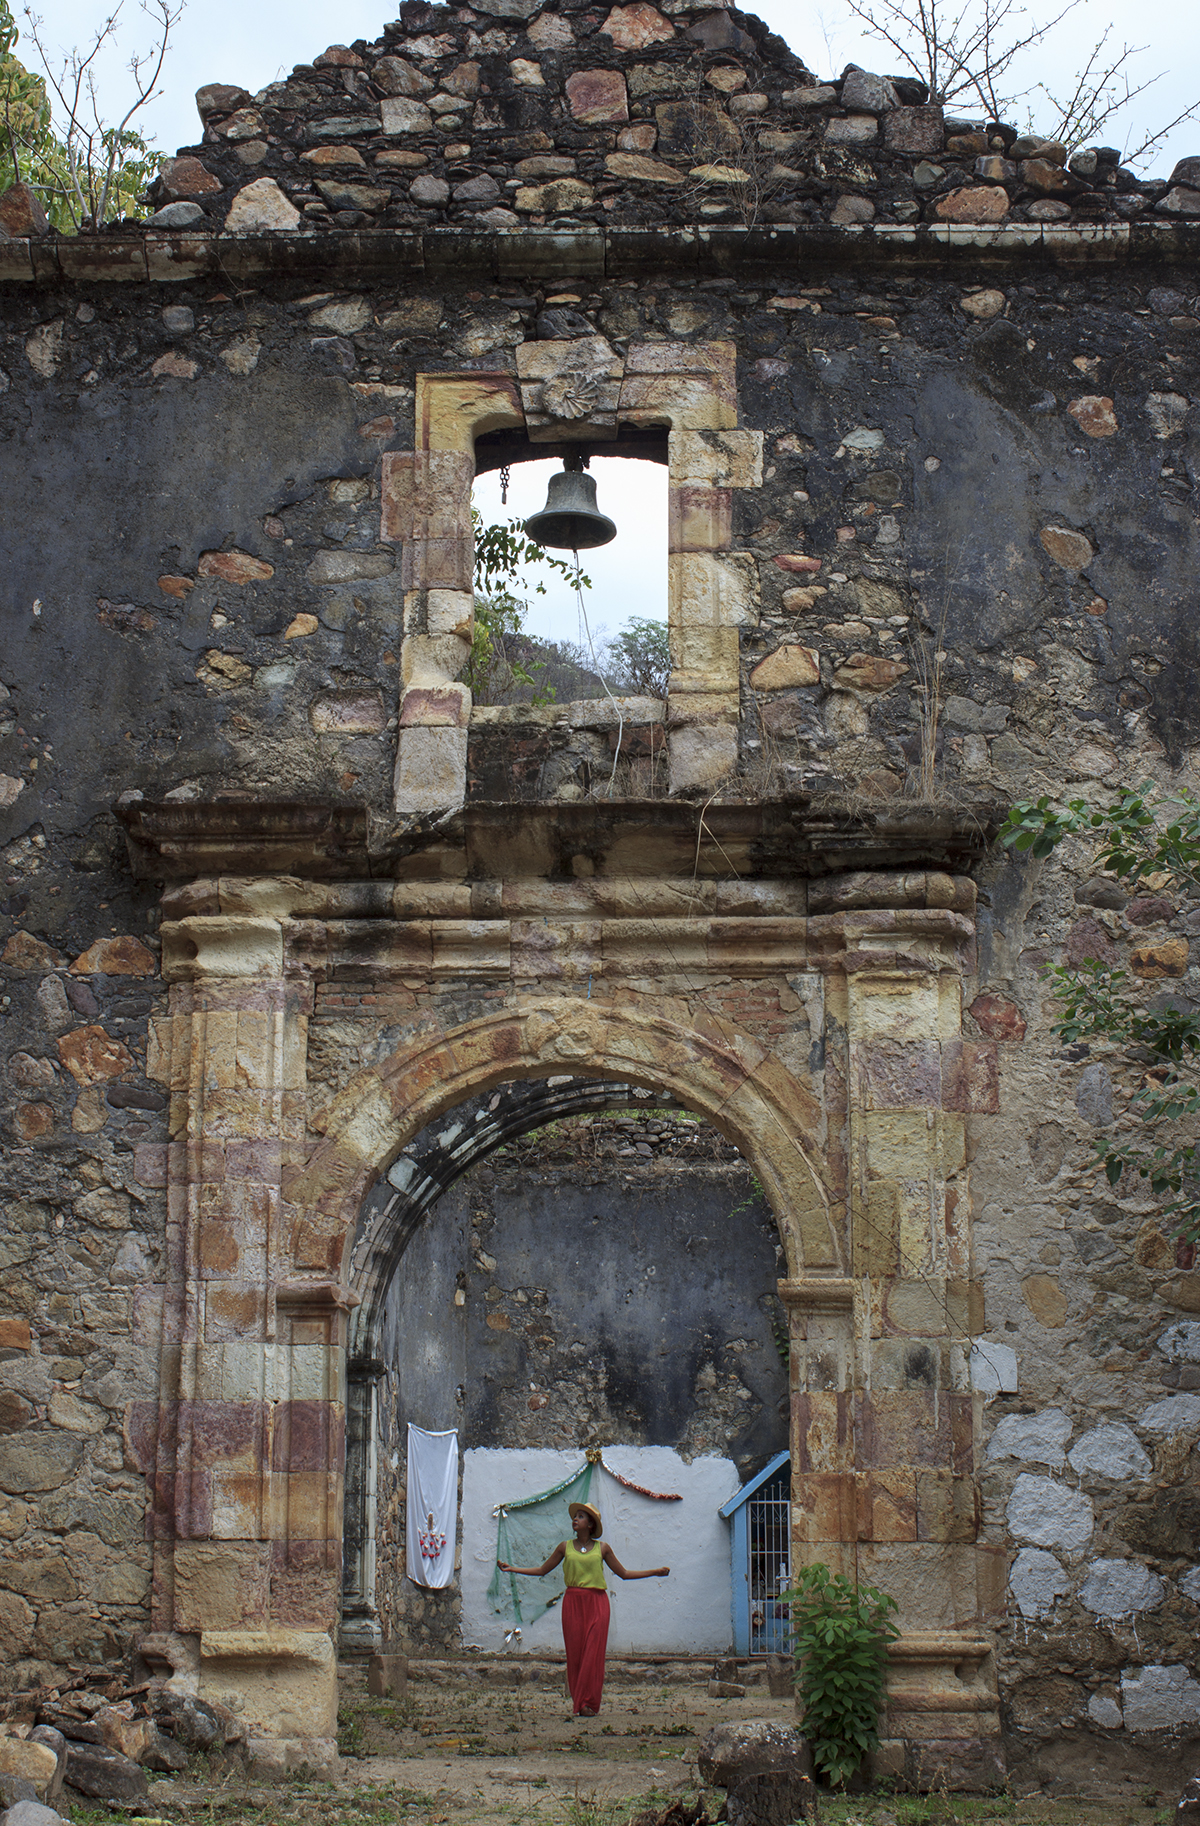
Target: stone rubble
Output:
{"points": [[97, 1735]]}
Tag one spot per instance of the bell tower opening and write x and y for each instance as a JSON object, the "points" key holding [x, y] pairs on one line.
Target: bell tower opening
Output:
{"points": [[542, 637]]}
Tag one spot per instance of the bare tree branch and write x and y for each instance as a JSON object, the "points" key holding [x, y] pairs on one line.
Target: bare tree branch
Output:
{"points": [[97, 154], [968, 49], [1151, 144]]}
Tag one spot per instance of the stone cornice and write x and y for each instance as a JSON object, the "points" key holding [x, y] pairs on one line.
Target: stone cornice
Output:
{"points": [[446, 254], [780, 838]]}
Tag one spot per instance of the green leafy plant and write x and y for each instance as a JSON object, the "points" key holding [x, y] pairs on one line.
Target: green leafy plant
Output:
{"points": [[26, 141], [1142, 837], [503, 549], [503, 660], [350, 1731], [840, 1633]]}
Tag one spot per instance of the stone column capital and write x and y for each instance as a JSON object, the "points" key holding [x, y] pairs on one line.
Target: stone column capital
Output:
{"points": [[225, 945]]}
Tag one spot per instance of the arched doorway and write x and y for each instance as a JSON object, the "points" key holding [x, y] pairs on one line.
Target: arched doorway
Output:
{"points": [[711, 1069], [825, 1045], [609, 1284]]}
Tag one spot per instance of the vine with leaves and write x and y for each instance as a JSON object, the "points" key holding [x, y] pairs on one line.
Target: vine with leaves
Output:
{"points": [[1142, 838], [499, 660]]}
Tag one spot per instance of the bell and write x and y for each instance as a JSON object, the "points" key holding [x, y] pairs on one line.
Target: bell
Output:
{"points": [[570, 520]]}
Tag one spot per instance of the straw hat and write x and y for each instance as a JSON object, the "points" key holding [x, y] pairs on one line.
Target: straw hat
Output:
{"points": [[574, 1509]]}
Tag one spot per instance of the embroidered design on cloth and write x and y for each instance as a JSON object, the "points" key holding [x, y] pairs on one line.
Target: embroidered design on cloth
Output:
{"points": [[431, 1542]]}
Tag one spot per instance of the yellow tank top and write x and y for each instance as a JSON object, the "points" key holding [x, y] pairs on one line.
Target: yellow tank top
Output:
{"points": [[586, 1569]]}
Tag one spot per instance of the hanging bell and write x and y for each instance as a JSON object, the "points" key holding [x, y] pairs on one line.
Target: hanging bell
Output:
{"points": [[570, 520]]}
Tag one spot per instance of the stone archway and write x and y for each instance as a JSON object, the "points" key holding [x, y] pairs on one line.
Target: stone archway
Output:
{"points": [[445, 1150], [862, 1162], [720, 1074], [711, 1068]]}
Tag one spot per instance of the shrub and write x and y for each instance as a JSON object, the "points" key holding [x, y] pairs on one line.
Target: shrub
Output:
{"points": [[840, 1634]]}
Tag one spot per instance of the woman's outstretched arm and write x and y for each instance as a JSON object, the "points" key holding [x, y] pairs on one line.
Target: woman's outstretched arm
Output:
{"points": [[535, 1572], [654, 1572]]}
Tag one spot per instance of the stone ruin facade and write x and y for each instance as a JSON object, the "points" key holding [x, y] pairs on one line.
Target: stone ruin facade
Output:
{"points": [[280, 900]]}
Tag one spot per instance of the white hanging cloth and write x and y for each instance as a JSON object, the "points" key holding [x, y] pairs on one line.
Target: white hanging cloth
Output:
{"points": [[432, 1506]]}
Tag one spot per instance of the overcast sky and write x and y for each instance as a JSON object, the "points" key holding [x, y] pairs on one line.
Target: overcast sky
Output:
{"points": [[628, 576], [253, 44]]}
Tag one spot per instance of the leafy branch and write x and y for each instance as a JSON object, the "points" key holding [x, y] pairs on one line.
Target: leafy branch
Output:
{"points": [[500, 660], [501, 551], [1134, 841], [27, 137], [96, 171]]}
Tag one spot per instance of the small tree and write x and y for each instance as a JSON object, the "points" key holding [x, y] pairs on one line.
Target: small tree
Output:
{"points": [[640, 657], [1143, 837], [94, 172]]}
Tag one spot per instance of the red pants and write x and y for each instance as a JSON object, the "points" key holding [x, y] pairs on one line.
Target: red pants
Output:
{"points": [[585, 1635]]}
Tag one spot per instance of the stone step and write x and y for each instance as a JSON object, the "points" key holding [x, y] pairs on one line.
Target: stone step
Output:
{"points": [[547, 1667]]}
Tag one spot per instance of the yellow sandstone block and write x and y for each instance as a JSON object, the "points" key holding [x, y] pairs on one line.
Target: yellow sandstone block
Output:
{"points": [[717, 459], [452, 410], [202, 947], [429, 660], [712, 590]]}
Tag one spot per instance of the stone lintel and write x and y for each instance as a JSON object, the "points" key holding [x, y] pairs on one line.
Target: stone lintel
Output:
{"points": [[293, 897], [773, 839], [615, 937], [317, 839]]}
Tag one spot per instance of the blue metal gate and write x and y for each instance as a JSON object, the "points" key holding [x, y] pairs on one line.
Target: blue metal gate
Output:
{"points": [[762, 1560], [769, 1532]]}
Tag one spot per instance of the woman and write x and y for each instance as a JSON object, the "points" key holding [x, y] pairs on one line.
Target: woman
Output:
{"points": [[585, 1603]]}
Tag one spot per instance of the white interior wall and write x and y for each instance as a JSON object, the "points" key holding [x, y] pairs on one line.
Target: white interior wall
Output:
{"points": [[687, 1612]]}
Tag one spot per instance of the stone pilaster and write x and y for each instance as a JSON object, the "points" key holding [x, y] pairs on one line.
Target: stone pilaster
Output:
{"points": [[246, 1448], [360, 1627], [883, 1431]]}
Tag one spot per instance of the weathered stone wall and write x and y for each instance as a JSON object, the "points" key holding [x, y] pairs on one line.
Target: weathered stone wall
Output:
{"points": [[84, 1237], [233, 631], [933, 545], [1089, 1469], [625, 116]]}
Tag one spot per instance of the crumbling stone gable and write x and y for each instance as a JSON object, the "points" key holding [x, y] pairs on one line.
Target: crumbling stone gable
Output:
{"points": [[626, 116]]}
